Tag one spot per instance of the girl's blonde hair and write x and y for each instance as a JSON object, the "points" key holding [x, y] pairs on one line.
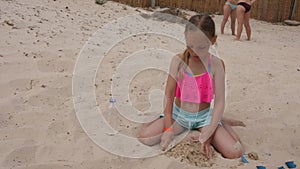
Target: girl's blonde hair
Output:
{"points": [[200, 21]]}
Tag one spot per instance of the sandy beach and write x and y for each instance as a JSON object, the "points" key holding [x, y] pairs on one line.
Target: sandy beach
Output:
{"points": [[41, 42]]}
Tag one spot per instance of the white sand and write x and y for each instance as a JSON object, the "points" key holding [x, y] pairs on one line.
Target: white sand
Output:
{"points": [[40, 42]]}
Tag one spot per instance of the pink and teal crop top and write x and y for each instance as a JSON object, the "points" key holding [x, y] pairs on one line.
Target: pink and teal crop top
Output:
{"points": [[195, 88]]}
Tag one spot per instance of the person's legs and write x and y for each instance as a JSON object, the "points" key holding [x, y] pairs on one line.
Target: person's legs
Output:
{"points": [[233, 18], [247, 25], [229, 129], [226, 11], [151, 132], [240, 12], [227, 143]]}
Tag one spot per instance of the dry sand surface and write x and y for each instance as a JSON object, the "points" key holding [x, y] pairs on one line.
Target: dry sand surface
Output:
{"points": [[40, 43]]}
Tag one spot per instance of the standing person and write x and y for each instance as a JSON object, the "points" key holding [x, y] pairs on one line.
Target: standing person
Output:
{"points": [[243, 17], [196, 78], [229, 9]]}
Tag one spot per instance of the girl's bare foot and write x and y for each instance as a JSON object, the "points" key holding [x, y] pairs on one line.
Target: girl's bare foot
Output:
{"points": [[233, 122]]}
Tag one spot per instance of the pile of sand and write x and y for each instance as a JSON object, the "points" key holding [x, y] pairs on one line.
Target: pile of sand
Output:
{"points": [[188, 151]]}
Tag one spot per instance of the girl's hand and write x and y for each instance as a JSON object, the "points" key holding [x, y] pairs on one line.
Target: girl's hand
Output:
{"points": [[206, 148], [166, 139]]}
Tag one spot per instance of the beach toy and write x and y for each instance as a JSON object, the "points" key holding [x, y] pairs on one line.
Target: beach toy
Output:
{"points": [[260, 167], [291, 164], [112, 101], [281, 167], [243, 158]]}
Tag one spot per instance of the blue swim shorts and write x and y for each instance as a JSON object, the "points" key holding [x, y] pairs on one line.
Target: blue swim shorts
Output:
{"points": [[192, 120]]}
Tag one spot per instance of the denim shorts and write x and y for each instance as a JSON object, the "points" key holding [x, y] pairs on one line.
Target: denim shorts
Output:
{"points": [[232, 6], [192, 120]]}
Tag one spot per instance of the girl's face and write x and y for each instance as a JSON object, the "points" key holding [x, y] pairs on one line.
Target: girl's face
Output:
{"points": [[197, 44]]}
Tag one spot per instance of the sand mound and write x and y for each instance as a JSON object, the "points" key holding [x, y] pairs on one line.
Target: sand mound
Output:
{"points": [[188, 151]]}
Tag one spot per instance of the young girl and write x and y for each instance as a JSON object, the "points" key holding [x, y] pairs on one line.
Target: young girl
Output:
{"points": [[243, 17], [195, 79], [229, 9]]}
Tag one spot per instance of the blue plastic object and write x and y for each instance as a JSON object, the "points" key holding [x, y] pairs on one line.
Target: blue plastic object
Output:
{"points": [[244, 160], [291, 164], [112, 100], [260, 167]]}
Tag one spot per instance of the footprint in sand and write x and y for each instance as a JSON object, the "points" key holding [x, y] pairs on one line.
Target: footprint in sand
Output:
{"points": [[20, 157]]}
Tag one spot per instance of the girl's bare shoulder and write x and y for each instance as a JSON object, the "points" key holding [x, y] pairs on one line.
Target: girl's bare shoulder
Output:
{"points": [[217, 62]]}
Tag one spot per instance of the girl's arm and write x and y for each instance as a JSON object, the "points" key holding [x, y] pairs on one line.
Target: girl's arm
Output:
{"points": [[219, 101], [170, 91], [168, 103]]}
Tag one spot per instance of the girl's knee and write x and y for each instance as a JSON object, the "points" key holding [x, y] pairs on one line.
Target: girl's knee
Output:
{"points": [[147, 139], [225, 20], [240, 24], [247, 26], [234, 152]]}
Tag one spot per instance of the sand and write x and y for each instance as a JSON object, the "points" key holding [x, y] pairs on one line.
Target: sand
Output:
{"points": [[41, 42]]}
